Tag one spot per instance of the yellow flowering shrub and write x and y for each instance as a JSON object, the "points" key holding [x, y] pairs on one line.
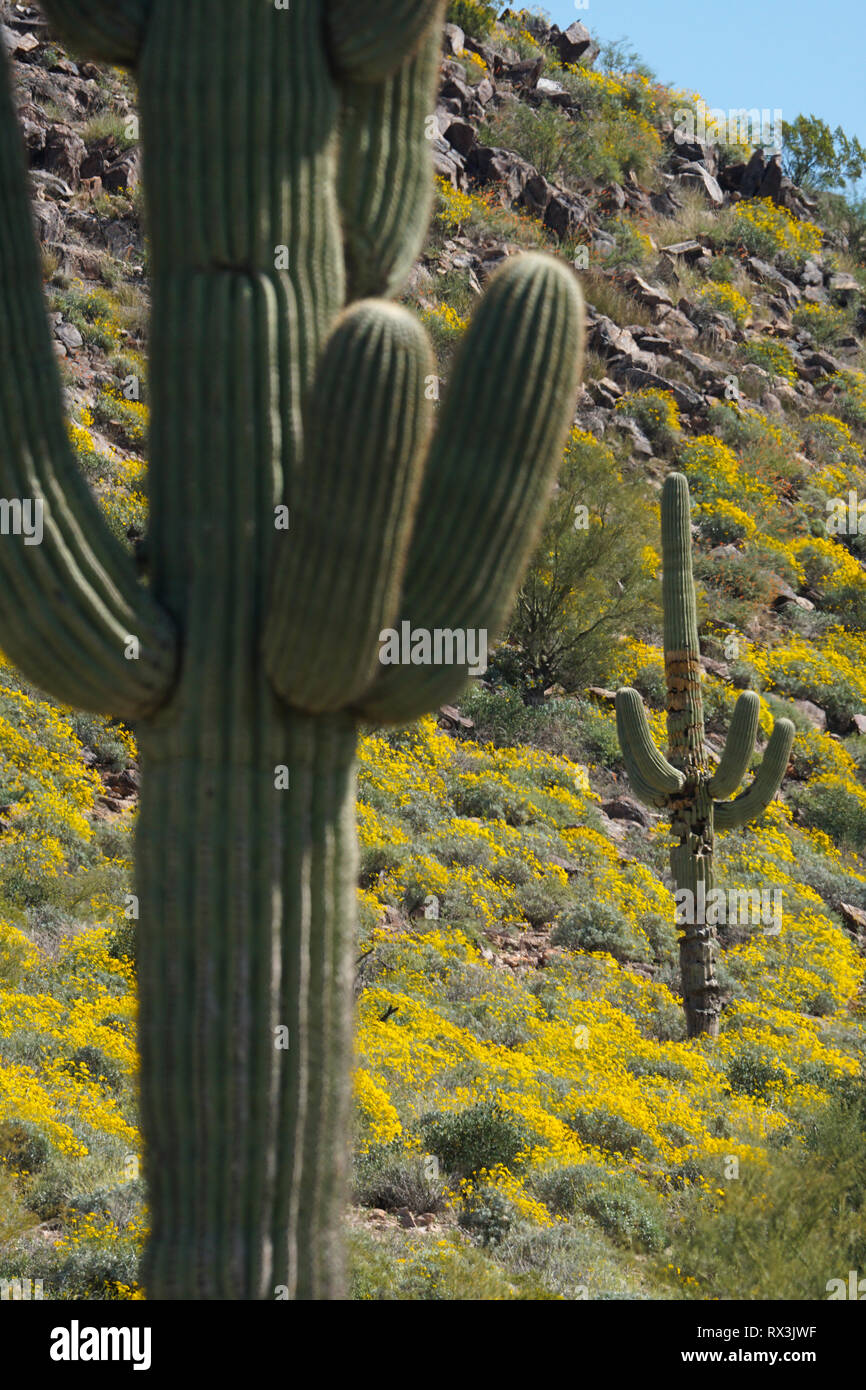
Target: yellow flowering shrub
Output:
{"points": [[727, 300], [784, 231]]}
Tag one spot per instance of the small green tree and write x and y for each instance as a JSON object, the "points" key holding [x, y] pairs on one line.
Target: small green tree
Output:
{"points": [[588, 580], [816, 157]]}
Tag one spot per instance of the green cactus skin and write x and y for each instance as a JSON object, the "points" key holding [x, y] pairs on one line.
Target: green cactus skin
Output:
{"points": [[682, 783], [265, 129]]}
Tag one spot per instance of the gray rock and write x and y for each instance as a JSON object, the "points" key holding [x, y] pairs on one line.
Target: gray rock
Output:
{"points": [[625, 808], [454, 40], [815, 715], [697, 176], [69, 336], [50, 185], [575, 43], [64, 153]]}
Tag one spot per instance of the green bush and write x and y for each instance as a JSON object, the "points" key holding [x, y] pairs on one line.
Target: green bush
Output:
{"points": [[390, 1178], [595, 926], [836, 810], [487, 1215], [782, 1231], [483, 1135], [774, 357], [606, 1130], [752, 1073], [626, 1211], [588, 581], [474, 18]]}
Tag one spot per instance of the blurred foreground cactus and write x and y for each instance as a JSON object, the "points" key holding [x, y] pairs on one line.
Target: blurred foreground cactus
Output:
{"points": [[683, 782], [300, 504]]}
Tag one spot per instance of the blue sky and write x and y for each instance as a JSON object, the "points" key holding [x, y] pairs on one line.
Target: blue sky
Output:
{"points": [[738, 53]]}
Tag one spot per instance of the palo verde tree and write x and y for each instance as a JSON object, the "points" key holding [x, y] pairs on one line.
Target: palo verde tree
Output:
{"points": [[682, 782], [293, 465]]}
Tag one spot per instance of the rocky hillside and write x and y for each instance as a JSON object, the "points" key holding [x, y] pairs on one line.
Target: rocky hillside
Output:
{"points": [[532, 1122]]}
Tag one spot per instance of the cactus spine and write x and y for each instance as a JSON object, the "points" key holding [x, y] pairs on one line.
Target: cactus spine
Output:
{"points": [[286, 174], [682, 782]]}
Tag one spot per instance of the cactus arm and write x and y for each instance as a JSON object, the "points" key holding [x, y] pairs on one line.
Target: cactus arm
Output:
{"points": [[753, 802], [653, 770], [368, 428], [110, 31], [385, 176], [70, 604], [643, 791], [739, 747], [369, 39], [489, 473]]}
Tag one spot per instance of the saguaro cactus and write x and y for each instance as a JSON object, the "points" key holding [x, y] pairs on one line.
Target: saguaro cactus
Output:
{"points": [[286, 173], [683, 782]]}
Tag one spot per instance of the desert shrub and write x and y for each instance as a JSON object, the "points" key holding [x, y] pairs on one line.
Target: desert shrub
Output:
{"points": [[546, 138], [539, 903], [751, 1073], [723, 298], [822, 321], [774, 357], [721, 269], [486, 1214], [650, 682], [783, 1230], [598, 927], [473, 16], [488, 798], [631, 247], [606, 1130], [484, 1135], [724, 523], [626, 1211], [849, 401], [588, 579], [765, 230], [656, 413], [388, 1177], [90, 311], [837, 806]]}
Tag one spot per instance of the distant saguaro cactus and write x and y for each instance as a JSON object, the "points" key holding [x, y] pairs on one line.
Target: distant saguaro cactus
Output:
{"points": [[293, 472], [683, 782]]}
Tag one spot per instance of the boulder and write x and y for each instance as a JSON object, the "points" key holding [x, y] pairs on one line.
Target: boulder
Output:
{"points": [[63, 154], [771, 183], [454, 40], [695, 175], [854, 918], [574, 43], [815, 715], [752, 175], [625, 808]]}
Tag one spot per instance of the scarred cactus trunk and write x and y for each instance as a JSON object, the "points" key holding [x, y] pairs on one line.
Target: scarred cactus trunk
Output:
{"points": [[292, 469], [691, 808]]}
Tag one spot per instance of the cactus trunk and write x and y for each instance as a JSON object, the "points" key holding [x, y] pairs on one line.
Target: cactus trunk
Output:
{"points": [[247, 898], [691, 808]]}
